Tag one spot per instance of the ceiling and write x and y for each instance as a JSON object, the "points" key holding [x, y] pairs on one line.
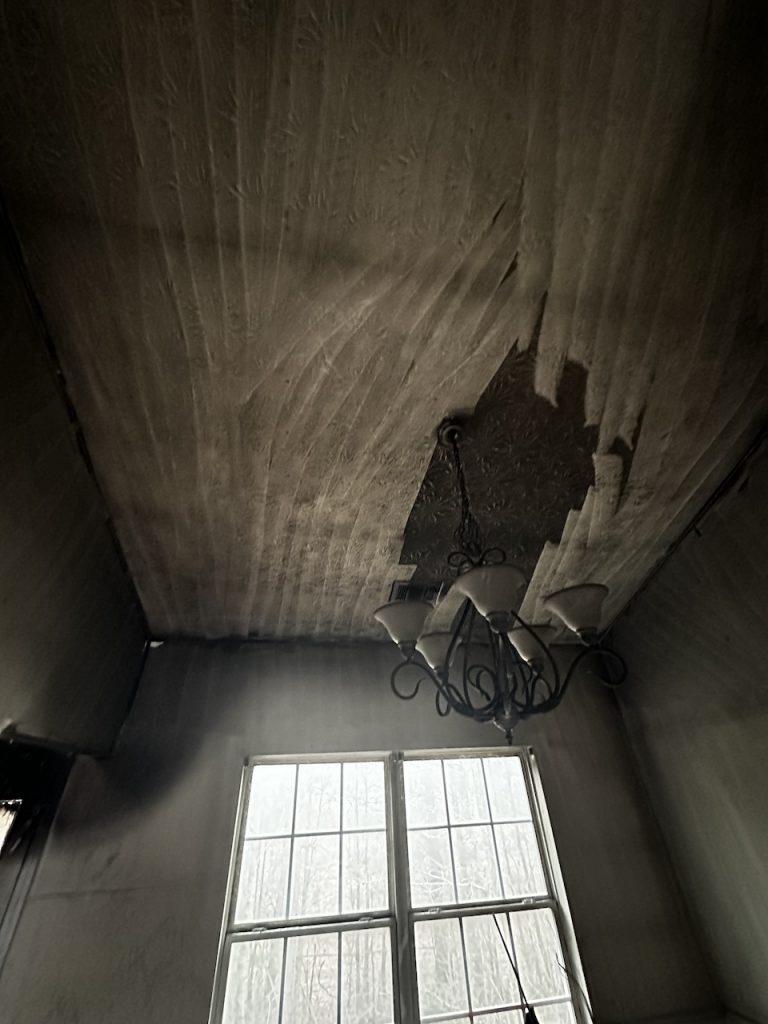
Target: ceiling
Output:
{"points": [[276, 243]]}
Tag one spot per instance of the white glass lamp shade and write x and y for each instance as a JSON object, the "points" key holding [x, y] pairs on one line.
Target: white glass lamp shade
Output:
{"points": [[579, 607], [433, 647], [492, 589], [527, 646], [403, 620]]}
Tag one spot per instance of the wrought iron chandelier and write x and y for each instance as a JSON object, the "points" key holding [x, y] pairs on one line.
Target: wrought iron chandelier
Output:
{"points": [[492, 666]]}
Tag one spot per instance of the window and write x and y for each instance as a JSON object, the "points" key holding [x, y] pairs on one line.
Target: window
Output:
{"points": [[393, 889]]}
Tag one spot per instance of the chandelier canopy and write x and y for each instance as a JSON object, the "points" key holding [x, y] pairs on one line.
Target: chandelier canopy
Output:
{"points": [[491, 665]]}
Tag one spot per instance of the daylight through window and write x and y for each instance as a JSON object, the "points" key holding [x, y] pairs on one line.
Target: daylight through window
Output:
{"points": [[392, 889]]}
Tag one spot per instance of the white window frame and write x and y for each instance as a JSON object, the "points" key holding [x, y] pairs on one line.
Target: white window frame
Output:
{"points": [[400, 918]]}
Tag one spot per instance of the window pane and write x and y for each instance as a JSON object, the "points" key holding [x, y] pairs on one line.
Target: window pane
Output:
{"points": [[318, 804], [429, 860], [440, 967], [491, 978], [477, 874], [366, 977], [466, 791], [364, 872], [263, 883], [364, 802], [315, 876], [506, 788], [270, 803], [310, 980], [556, 1013], [537, 949], [521, 870], [424, 794], [253, 982]]}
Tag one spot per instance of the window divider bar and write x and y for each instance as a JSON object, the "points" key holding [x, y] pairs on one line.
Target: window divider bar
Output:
{"points": [[282, 976], [257, 928], [339, 902], [493, 827], [290, 852], [479, 909], [456, 884], [325, 927], [326, 832], [407, 1007], [478, 1015]]}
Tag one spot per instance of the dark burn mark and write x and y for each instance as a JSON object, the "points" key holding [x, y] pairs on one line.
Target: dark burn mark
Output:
{"points": [[498, 212], [527, 464], [509, 271]]}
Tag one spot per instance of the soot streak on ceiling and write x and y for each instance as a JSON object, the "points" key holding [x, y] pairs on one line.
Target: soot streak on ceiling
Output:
{"points": [[276, 243]]}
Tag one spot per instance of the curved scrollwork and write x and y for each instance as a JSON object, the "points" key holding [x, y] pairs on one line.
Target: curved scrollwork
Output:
{"points": [[493, 683], [482, 673]]}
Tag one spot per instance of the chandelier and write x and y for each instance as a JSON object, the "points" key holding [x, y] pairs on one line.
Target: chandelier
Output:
{"points": [[491, 665]]}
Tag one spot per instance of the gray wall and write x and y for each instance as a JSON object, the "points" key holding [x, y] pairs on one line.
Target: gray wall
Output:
{"points": [[71, 633], [126, 908], [697, 711]]}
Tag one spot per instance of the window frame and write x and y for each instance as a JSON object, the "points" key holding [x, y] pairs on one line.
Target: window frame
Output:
{"points": [[400, 917]]}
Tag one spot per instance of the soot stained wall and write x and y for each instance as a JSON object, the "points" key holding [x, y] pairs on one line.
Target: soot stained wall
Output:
{"points": [[71, 631], [126, 908], [697, 711]]}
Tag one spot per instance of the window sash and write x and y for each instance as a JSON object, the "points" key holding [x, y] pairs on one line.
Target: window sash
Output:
{"points": [[400, 917]]}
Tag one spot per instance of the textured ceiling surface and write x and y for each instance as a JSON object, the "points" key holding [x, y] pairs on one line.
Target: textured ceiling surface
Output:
{"points": [[276, 243]]}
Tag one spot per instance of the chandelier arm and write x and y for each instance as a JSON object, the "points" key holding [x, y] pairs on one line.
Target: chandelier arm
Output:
{"points": [[526, 678], [408, 663], [507, 694], [466, 708], [466, 608], [603, 652], [438, 708], [469, 669], [478, 671], [467, 646], [505, 653], [553, 702], [450, 694], [545, 649], [467, 534], [530, 675]]}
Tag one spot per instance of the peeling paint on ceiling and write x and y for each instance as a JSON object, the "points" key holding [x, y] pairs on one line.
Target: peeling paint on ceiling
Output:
{"points": [[277, 243]]}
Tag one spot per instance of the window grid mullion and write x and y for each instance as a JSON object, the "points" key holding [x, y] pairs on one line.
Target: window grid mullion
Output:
{"points": [[290, 851], [339, 901], [341, 841], [404, 960], [338, 978], [456, 883], [493, 828], [515, 958], [282, 977]]}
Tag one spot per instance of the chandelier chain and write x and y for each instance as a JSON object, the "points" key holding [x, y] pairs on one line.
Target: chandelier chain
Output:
{"points": [[467, 534]]}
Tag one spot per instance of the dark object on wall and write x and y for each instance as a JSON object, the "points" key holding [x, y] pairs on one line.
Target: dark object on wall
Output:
{"points": [[32, 780], [71, 629]]}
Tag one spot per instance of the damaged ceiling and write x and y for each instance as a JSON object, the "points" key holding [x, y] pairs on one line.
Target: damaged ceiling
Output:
{"points": [[276, 243]]}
